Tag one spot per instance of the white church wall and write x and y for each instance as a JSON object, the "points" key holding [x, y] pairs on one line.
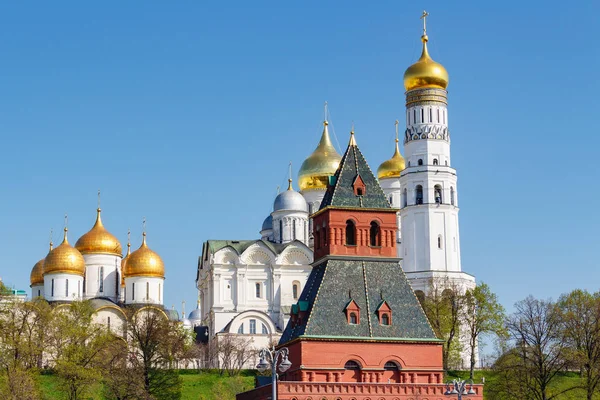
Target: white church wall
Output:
{"points": [[102, 276], [62, 287]]}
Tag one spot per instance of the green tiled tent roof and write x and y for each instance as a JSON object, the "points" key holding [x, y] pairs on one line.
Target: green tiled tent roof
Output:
{"points": [[334, 283], [341, 194]]}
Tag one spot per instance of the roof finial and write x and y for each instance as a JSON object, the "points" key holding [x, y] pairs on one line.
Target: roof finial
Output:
{"points": [[128, 241], [66, 228], [424, 18], [290, 177], [183, 309], [144, 231], [352, 139], [325, 114], [396, 123], [98, 199], [51, 244], [278, 189]]}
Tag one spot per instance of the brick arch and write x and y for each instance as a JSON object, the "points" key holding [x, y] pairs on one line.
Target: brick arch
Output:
{"points": [[392, 357], [352, 357]]}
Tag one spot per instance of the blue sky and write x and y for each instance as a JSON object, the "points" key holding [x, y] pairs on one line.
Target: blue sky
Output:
{"points": [[187, 113]]}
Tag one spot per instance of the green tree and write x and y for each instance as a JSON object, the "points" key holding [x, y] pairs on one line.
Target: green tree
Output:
{"points": [[442, 304], [76, 346], [580, 318], [22, 329], [481, 314], [539, 352], [156, 344]]}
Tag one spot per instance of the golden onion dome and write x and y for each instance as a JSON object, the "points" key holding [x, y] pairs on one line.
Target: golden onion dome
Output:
{"points": [[37, 273], [64, 259], [392, 167], [144, 262], [425, 73], [98, 240], [320, 165]]}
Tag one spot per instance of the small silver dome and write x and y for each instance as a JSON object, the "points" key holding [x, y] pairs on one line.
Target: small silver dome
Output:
{"points": [[187, 323], [268, 223], [290, 200], [195, 315]]}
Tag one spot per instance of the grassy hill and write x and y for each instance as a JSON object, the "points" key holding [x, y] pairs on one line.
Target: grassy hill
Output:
{"points": [[209, 385]]}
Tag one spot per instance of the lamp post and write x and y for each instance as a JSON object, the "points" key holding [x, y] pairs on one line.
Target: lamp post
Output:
{"points": [[459, 387], [272, 358]]}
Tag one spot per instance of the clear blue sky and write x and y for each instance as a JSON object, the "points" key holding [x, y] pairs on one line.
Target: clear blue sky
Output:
{"points": [[188, 113]]}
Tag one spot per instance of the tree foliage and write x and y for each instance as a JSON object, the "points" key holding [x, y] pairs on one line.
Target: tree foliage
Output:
{"points": [[482, 314]]}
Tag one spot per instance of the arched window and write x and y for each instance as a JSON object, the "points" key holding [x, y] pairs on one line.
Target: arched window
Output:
{"points": [[419, 195], [435, 161], [452, 195], [159, 293], [350, 233], [265, 330], [409, 163], [294, 230], [147, 290], [253, 327], [439, 241], [430, 115], [241, 328], [446, 163], [391, 200], [391, 366], [414, 116], [353, 318], [257, 289], [375, 234], [351, 365], [101, 280], [133, 291], [438, 117], [295, 289], [67, 288], [385, 319], [280, 231], [404, 198], [437, 192], [422, 115], [420, 162]]}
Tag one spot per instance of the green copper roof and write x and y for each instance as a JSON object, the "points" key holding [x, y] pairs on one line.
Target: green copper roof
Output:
{"points": [[332, 284], [341, 194]]}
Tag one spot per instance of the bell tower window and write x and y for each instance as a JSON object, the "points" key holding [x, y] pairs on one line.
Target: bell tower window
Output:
{"points": [[419, 195], [350, 233], [438, 194]]}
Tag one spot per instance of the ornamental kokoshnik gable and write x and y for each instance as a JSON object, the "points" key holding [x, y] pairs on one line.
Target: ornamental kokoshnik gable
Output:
{"points": [[358, 329]]}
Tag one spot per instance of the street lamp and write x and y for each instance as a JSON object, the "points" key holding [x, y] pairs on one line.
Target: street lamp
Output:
{"points": [[272, 358], [459, 387]]}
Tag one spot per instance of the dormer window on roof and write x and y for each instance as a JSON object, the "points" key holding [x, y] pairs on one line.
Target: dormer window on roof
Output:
{"points": [[384, 313], [352, 311]]}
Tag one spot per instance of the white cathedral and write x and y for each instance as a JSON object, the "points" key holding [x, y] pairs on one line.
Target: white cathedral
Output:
{"points": [[95, 269], [248, 287]]}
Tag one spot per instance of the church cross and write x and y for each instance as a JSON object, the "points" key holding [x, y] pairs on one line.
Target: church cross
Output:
{"points": [[424, 18]]}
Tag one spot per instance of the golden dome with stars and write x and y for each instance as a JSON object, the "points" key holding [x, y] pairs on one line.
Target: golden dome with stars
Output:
{"points": [[98, 240], [425, 73], [144, 262], [320, 165], [64, 259]]}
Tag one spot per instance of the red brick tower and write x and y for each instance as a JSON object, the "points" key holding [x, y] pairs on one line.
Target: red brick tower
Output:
{"points": [[358, 331]]}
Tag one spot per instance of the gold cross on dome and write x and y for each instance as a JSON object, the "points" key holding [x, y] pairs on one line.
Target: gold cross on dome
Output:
{"points": [[424, 18]]}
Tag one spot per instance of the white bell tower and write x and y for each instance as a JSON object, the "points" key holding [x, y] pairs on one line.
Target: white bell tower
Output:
{"points": [[428, 184]]}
